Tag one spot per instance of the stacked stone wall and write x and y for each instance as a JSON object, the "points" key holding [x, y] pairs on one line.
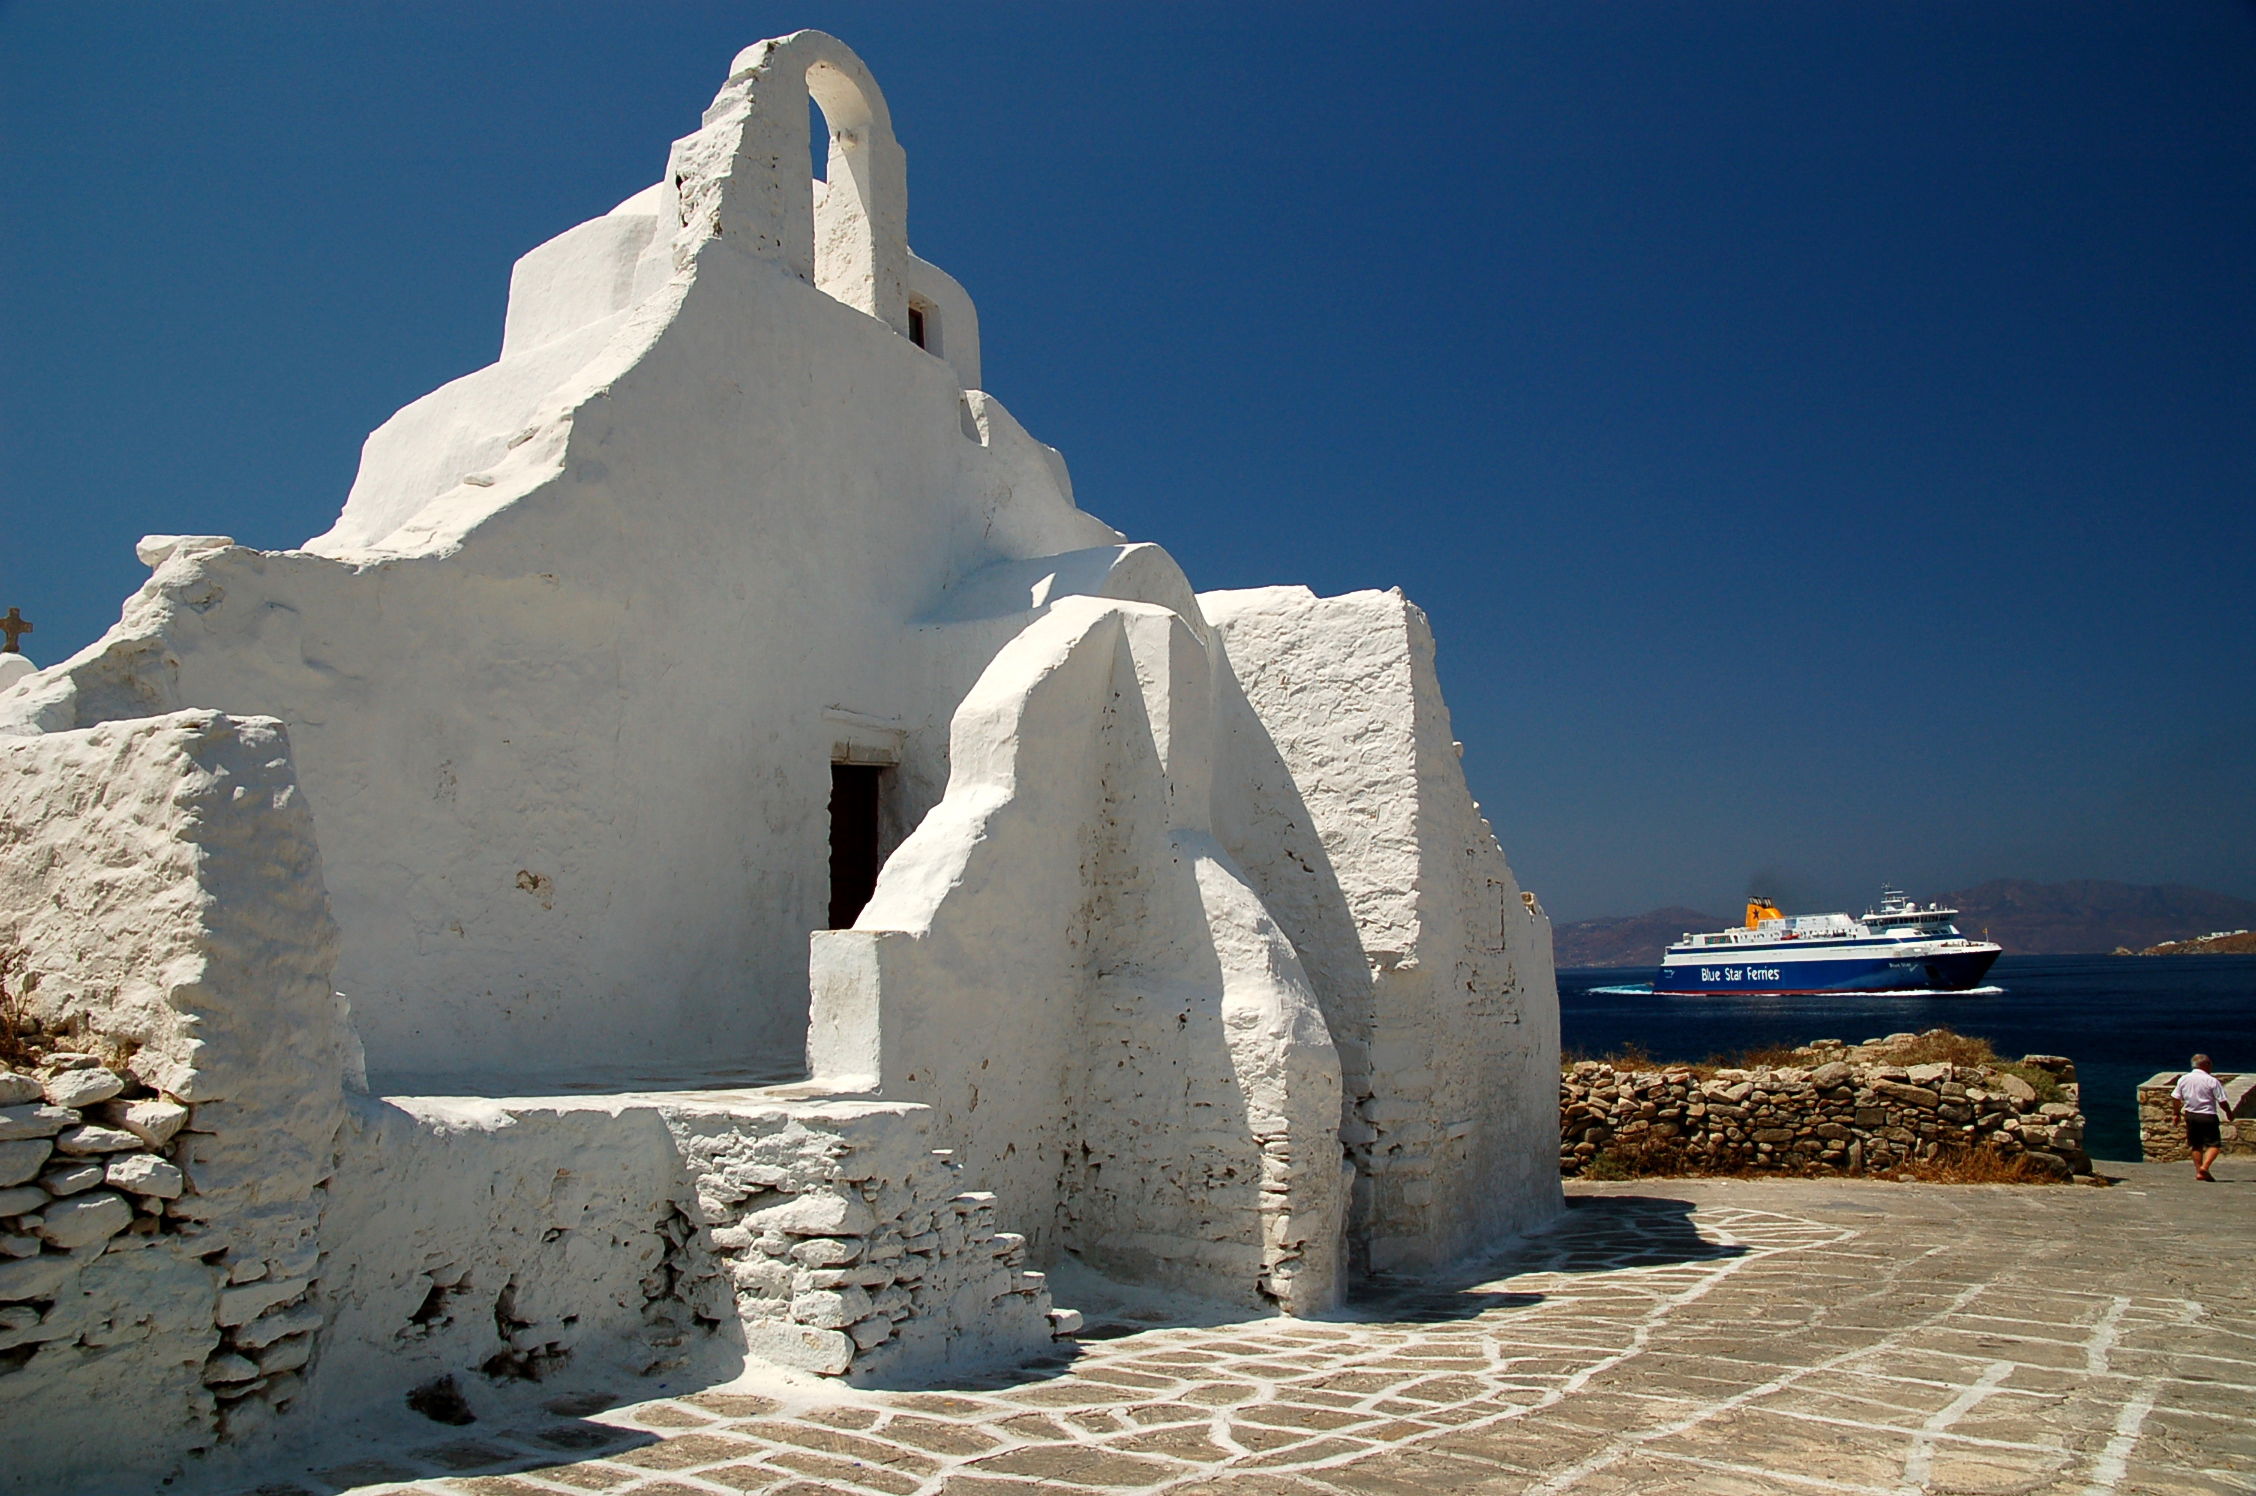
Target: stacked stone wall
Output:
{"points": [[1846, 1109], [2162, 1137], [851, 1247], [172, 1099]]}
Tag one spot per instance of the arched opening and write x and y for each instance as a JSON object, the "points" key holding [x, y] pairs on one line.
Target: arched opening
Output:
{"points": [[838, 141]]}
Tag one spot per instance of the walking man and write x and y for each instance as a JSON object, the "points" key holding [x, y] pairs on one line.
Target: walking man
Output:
{"points": [[2200, 1097]]}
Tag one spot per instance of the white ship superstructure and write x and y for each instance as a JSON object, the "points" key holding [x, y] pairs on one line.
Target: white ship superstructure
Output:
{"points": [[1898, 947]]}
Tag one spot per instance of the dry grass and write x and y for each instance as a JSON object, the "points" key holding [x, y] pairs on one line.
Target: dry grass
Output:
{"points": [[1977, 1166], [22, 1040], [1943, 1047]]}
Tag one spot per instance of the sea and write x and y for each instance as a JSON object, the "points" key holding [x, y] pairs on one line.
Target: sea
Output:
{"points": [[2120, 1018]]}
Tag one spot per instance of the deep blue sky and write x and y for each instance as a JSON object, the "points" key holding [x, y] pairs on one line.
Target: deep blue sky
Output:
{"points": [[1823, 436]]}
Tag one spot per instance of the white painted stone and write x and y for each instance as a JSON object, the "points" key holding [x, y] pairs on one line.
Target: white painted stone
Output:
{"points": [[831, 1309], [224, 1370], [800, 1346], [154, 1122], [91, 1138], [82, 1220], [277, 1324], [154, 551], [239, 1306], [144, 1174], [285, 1355], [82, 1088], [814, 1215]]}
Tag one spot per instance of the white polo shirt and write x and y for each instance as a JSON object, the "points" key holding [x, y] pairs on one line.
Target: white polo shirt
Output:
{"points": [[2200, 1092]]}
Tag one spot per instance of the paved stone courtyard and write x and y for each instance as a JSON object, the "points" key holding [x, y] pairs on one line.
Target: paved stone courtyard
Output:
{"points": [[1724, 1336]]}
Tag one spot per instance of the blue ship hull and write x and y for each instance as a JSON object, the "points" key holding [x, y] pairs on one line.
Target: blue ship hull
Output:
{"points": [[1760, 972]]}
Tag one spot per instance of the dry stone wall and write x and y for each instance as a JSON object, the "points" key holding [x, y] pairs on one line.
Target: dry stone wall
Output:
{"points": [[2162, 1137], [1848, 1109], [851, 1248], [660, 1234], [171, 1119]]}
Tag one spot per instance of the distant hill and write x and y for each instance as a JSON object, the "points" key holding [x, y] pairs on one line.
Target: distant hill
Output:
{"points": [[2091, 916], [2234, 943], [1627, 939], [2029, 919]]}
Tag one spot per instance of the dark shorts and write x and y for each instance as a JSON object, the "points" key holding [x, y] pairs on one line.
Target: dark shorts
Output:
{"points": [[2201, 1130]]}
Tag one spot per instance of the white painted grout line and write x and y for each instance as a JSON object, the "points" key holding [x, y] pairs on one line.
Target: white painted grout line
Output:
{"points": [[2108, 1469], [1919, 1465], [2103, 1336]]}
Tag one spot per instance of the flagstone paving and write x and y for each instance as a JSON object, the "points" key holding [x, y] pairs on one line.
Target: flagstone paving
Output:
{"points": [[1711, 1336]]}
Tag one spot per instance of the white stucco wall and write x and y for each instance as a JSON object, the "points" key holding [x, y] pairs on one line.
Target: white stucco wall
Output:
{"points": [[1442, 1002], [558, 675], [1065, 963]]}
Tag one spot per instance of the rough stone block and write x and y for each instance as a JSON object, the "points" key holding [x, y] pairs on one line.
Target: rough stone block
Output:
{"points": [[35, 1277], [144, 1174], [153, 1122], [83, 1220], [89, 1138], [82, 1088], [276, 1325], [815, 1215], [34, 1121], [828, 1251], [828, 1352], [766, 1277], [285, 1355], [227, 1369], [22, 1158], [239, 1306], [73, 1179], [831, 1309], [17, 1088]]}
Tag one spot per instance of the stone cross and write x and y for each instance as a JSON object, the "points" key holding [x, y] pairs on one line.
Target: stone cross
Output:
{"points": [[15, 627]]}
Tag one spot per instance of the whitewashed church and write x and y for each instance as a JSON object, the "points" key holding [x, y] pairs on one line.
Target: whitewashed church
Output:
{"points": [[714, 859]]}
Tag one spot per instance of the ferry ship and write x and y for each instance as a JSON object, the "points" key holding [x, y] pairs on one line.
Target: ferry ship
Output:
{"points": [[1898, 947]]}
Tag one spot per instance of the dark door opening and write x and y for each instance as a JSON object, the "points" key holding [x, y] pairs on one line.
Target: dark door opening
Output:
{"points": [[854, 794]]}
